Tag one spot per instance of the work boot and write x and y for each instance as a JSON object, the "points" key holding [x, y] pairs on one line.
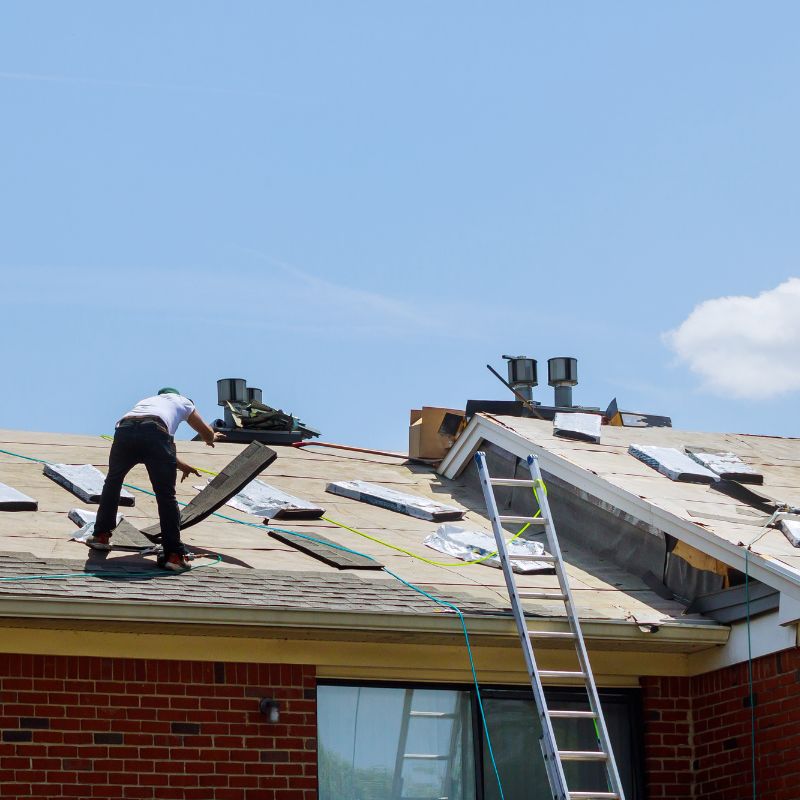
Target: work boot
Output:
{"points": [[174, 562], [99, 541]]}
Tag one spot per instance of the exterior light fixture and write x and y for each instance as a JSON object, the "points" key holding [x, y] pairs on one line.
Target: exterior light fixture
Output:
{"points": [[271, 709]]}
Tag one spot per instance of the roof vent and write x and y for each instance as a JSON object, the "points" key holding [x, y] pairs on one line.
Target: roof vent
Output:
{"points": [[522, 375], [231, 390], [253, 395], [246, 418], [562, 375]]}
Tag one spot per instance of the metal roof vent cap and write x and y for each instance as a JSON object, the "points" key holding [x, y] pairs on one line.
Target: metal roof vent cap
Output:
{"points": [[522, 375], [231, 390], [562, 375], [253, 395]]}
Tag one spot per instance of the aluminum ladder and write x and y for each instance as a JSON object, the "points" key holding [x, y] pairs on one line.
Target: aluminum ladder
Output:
{"points": [[553, 756], [404, 756]]}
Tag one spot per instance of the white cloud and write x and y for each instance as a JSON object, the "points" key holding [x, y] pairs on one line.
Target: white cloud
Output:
{"points": [[747, 347]]}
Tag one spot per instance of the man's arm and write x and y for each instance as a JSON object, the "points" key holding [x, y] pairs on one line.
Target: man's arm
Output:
{"points": [[207, 434], [186, 469]]}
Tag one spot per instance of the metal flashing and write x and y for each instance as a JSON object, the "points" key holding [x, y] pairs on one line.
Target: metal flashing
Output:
{"points": [[85, 481], [13, 500], [391, 499]]}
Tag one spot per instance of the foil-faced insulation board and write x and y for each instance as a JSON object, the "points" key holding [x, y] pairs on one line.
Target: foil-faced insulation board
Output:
{"points": [[585, 427], [262, 500], [671, 462], [123, 537], [327, 551], [13, 500], [727, 465], [237, 474], [410, 504], [791, 530], [82, 516], [85, 481]]}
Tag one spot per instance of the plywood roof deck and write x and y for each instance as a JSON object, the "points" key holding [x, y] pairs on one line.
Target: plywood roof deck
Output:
{"points": [[603, 591]]}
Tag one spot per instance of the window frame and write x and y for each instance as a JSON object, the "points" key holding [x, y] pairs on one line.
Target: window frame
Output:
{"points": [[628, 697]]}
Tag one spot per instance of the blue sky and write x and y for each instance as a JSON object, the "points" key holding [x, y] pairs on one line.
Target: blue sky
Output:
{"points": [[357, 205]]}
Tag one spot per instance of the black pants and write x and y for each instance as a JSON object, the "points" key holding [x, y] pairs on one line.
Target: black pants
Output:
{"points": [[143, 442]]}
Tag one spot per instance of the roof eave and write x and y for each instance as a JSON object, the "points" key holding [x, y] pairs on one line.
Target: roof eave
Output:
{"points": [[345, 624]]}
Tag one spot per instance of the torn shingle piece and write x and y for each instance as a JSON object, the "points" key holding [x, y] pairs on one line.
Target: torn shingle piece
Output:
{"points": [[585, 427], [727, 465], [262, 500], [375, 495], [239, 472], [85, 481], [326, 551], [13, 500], [671, 462]]}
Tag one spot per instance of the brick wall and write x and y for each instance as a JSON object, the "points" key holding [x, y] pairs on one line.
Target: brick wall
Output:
{"points": [[113, 728], [698, 732]]}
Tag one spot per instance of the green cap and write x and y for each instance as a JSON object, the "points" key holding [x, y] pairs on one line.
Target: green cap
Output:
{"points": [[168, 390]]}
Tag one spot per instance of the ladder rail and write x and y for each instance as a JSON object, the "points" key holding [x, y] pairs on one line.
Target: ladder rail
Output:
{"points": [[552, 762], [553, 757], [572, 614]]}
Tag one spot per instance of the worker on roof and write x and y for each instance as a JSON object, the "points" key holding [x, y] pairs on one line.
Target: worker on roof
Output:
{"points": [[145, 436]]}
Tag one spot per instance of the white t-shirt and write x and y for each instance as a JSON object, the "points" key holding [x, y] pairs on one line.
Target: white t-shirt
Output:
{"points": [[172, 408]]}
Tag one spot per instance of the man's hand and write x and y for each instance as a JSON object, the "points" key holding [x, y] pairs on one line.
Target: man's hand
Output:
{"points": [[207, 433], [187, 469]]}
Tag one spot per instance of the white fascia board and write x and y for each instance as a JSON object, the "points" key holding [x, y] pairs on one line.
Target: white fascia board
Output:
{"points": [[774, 574], [767, 635]]}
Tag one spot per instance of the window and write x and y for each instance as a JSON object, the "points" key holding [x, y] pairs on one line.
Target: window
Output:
{"points": [[397, 743], [515, 730], [381, 743]]}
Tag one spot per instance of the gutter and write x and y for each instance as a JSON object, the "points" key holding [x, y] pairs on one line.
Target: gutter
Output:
{"points": [[497, 630], [767, 571]]}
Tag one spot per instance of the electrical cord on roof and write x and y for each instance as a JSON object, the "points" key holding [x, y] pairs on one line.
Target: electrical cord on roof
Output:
{"points": [[437, 600]]}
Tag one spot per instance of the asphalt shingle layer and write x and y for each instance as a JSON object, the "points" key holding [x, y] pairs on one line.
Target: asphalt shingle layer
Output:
{"points": [[22, 574]]}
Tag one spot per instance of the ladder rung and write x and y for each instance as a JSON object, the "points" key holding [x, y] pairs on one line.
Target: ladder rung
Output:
{"points": [[573, 714], [582, 755], [552, 634], [512, 482], [594, 795], [526, 595], [560, 673], [549, 559], [436, 714], [427, 756], [515, 518]]}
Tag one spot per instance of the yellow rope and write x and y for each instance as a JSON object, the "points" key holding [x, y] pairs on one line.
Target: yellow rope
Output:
{"points": [[431, 561], [403, 550]]}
